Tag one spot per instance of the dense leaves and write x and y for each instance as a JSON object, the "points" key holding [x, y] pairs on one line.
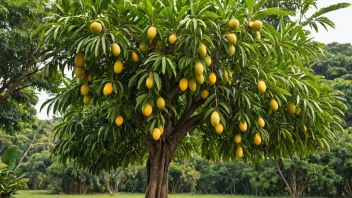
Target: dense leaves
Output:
{"points": [[22, 63], [88, 134], [9, 181], [336, 68], [18, 112]]}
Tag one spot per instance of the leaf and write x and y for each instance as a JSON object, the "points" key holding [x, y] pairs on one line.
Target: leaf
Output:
{"points": [[157, 80], [140, 99], [41, 28], [172, 66], [103, 44], [273, 11], [9, 158], [282, 91], [209, 111], [331, 8], [210, 98], [163, 60], [141, 80], [250, 5], [259, 5]]}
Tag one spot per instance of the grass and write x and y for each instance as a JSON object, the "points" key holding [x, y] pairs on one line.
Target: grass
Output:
{"points": [[44, 194]]}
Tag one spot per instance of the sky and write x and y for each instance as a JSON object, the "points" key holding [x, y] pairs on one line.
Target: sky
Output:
{"points": [[341, 18], [342, 34]]}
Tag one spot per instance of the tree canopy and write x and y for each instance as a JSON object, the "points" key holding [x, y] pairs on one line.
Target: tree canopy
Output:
{"points": [[335, 66], [151, 74], [22, 63]]}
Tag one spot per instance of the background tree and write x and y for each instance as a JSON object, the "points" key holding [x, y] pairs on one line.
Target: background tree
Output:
{"points": [[335, 66], [21, 56], [18, 112], [339, 159], [140, 68], [327, 172], [22, 63]]}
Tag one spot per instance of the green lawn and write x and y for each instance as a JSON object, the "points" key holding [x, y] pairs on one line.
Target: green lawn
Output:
{"points": [[44, 194]]}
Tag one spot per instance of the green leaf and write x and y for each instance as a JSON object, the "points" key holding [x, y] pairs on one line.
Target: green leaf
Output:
{"points": [[141, 80], [9, 158], [157, 80], [41, 28], [140, 99], [249, 4], [273, 11], [331, 8], [259, 5], [282, 91]]}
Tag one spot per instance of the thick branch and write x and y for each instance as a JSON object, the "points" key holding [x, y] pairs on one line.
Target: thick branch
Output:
{"points": [[149, 144], [11, 89], [189, 126], [14, 86], [166, 83], [172, 94], [190, 109], [16, 80]]}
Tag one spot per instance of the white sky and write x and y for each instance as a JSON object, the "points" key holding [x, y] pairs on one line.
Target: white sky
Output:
{"points": [[341, 18], [342, 34]]}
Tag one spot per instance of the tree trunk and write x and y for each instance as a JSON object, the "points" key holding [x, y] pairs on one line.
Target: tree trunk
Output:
{"points": [[160, 156], [283, 178], [117, 186]]}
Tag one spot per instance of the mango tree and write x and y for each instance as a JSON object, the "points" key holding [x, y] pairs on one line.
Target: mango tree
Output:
{"points": [[149, 76]]}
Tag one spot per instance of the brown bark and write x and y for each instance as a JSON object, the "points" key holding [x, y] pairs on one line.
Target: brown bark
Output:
{"points": [[12, 83], [160, 156], [161, 151]]}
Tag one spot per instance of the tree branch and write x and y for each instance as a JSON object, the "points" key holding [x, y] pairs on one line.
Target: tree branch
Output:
{"points": [[188, 112], [5, 76], [189, 126], [10, 90], [149, 144], [166, 83], [23, 87], [172, 94], [16, 80], [282, 176]]}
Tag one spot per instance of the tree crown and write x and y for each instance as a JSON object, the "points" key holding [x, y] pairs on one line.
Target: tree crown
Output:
{"points": [[200, 57]]}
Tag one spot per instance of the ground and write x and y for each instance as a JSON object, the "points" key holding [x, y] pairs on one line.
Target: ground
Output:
{"points": [[44, 194]]}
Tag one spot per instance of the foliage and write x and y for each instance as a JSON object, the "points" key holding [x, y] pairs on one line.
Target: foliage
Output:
{"points": [[276, 59], [9, 158], [18, 112], [336, 68], [340, 160], [37, 170], [71, 180], [327, 172], [182, 178], [303, 8], [21, 63], [264, 179], [9, 181], [41, 194]]}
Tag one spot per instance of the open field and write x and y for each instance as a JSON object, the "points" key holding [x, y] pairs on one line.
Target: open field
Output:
{"points": [[44, 194]]}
